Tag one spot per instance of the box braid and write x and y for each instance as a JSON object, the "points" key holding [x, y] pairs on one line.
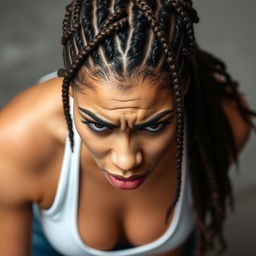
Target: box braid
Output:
{"points": [[112, 35], [177, 89]]}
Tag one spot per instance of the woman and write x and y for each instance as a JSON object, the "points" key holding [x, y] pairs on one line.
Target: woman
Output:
{"points": [[153, 125]]}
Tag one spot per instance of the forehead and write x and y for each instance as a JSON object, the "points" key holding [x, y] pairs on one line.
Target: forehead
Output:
{"points": [[111, 95]]}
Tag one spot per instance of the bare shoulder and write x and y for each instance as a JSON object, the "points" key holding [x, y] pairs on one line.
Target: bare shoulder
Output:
{"points": [[32, 130], [241, 129]]}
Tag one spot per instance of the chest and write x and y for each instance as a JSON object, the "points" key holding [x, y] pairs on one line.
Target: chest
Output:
{"points": [[108, 218]]}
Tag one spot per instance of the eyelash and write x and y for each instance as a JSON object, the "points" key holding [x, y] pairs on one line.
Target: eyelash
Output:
{"points": [[162, 126], [91, 124]]}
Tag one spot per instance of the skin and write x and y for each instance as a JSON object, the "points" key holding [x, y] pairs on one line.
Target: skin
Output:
{"points": [[32, 142], [126, 150]]}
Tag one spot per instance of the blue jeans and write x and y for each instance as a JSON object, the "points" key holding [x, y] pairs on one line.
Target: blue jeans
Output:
{"points": [[41, 247]]}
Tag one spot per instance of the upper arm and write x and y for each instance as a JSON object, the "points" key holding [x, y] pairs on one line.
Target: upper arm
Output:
{"points": [[15, 232], [17, 184], [27, 144], [15, 207]]}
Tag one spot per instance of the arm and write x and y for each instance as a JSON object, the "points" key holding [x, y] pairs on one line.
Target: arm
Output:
{"points": [[15, 233], [15, 210], [32, 131], [17, 189]]}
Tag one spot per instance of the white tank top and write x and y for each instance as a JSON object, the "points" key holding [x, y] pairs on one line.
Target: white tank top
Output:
{"points": [[59, 222]]}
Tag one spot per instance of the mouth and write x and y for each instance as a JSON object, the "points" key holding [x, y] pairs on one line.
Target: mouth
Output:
{"points": [[129, 183]]}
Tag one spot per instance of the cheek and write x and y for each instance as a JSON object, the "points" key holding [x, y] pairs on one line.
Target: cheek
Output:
{"points": [[158, 146], [92, 142]]}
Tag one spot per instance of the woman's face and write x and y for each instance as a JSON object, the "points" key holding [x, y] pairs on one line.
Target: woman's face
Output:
{"points": [[127, 131]]}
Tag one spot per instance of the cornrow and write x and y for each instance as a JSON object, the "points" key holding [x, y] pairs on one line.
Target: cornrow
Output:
{"points": [[165, 21], [108, 34], [137, 47], [156, 53], [178, 93], [110, 45], [102, 13], [69, 73], [164, 17], [122, 35]]}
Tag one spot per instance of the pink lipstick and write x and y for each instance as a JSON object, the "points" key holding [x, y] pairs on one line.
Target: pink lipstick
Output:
{"points": [[126, 183]]}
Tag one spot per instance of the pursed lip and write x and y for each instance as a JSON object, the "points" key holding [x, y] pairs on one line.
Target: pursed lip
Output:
{"points": [[129, 183], [133, 177]]}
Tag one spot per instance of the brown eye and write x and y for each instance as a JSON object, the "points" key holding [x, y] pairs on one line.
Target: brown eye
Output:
{"points": [[96, 127], [99, 126], [155, 127]]}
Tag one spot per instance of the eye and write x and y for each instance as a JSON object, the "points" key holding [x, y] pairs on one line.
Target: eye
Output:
{"points": [[157, 127], [96, 127]]}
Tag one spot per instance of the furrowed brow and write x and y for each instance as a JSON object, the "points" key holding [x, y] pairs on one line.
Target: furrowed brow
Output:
{"points": [[97, 119], [137, 126], [154, 119]]}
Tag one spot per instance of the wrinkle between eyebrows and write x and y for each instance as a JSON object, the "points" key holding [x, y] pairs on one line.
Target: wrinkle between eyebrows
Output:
{"points": [[127, 100], [117, 108]]}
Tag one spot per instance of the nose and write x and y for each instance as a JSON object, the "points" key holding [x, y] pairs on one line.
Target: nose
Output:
{"points": [[126, 158]]}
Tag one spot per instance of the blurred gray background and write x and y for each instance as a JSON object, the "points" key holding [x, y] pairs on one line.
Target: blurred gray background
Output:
{"points": [[30, 47]]}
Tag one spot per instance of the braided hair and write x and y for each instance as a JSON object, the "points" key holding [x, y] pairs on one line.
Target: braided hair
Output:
{"points": [[122, 37]]}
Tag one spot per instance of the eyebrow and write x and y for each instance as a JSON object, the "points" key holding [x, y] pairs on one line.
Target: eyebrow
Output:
{"points": [[154, 119], [140, 126]]}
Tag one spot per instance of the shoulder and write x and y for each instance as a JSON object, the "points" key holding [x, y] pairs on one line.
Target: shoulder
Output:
{"points": [[240, 127], [32, 129]]}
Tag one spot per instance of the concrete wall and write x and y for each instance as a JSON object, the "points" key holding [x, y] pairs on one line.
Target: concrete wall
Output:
{"points": [[30, 47]]}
